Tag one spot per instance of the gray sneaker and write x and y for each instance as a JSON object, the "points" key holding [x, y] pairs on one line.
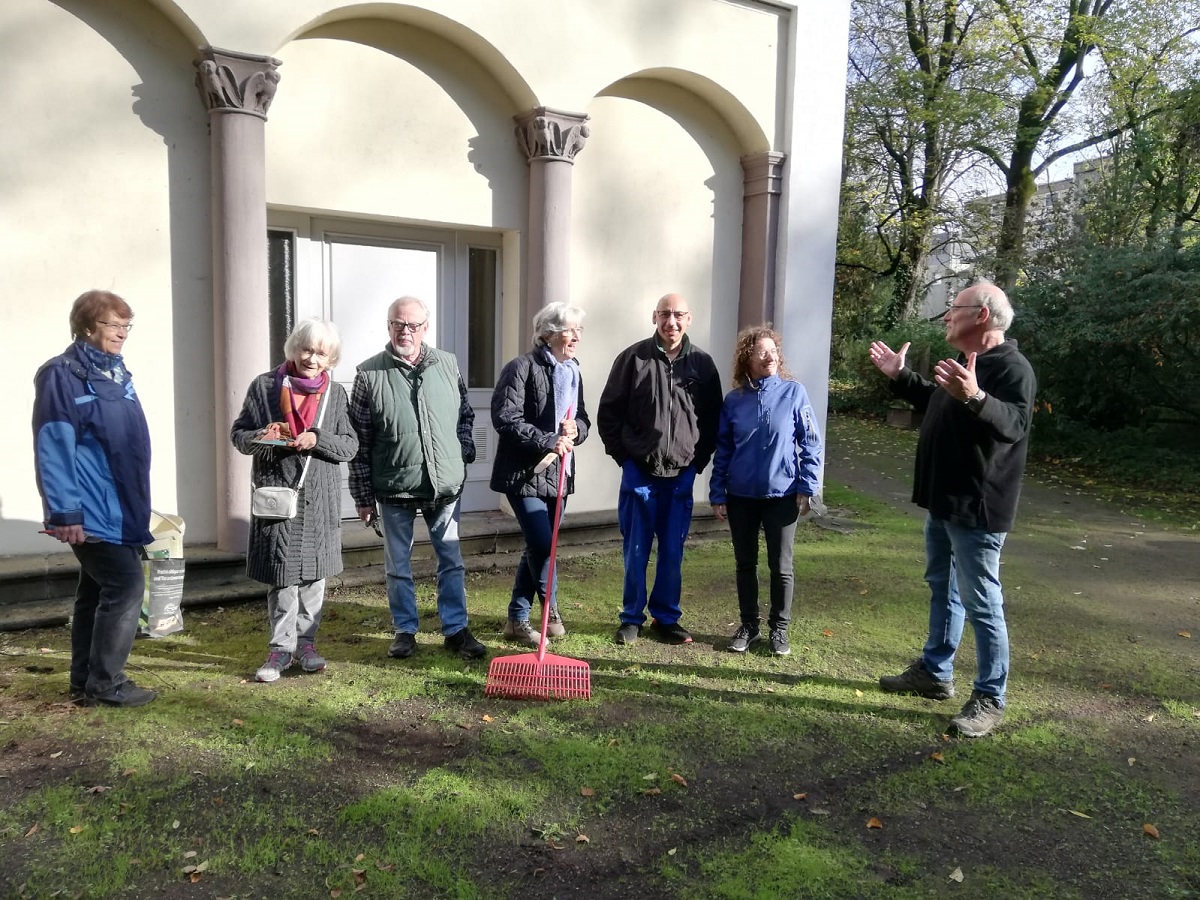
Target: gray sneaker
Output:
{"points": [[917, 680], [744, 638], [278, 662], [555, 627], [521, 630], [981, 714], [780, 645], [310, 660]]}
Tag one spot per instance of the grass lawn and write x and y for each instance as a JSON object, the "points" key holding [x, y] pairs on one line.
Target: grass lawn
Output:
{"points": [[691, 773]]}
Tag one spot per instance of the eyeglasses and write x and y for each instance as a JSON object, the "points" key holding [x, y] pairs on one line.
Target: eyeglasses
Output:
{"points": [[116, 326], [764, 354], [577, 331], [410, 327], [951, 305], [672, 313]]}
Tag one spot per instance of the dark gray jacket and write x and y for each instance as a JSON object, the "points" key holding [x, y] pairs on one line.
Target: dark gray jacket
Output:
{"points": [[309, 547], [524, 418]]}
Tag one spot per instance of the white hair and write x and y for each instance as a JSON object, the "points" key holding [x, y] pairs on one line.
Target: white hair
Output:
{"points": [[314, 332]]}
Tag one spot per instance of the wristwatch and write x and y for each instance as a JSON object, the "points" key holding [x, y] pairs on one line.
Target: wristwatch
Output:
{"points": [[975, 403]]}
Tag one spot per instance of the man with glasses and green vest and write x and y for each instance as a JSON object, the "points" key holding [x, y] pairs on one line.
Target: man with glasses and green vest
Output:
{"points": [[409, 406], [658, 419], [970, 460]]}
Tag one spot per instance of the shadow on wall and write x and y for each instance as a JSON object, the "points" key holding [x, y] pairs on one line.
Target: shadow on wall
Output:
{"points": [[167, 103]]}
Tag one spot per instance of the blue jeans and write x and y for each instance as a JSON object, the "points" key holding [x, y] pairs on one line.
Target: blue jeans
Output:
{"points": [[650, 507], [962, 568], [536, 517], [451, 573], [108, 601]]}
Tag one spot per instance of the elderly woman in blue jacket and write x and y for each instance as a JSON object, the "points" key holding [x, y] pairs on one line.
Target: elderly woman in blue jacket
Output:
{"points": [[765, 471], [92, 454], [540, 417]]}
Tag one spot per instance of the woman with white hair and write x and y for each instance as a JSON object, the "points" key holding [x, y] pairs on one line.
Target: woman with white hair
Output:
{"points": [[294, 423], [539, 414]]}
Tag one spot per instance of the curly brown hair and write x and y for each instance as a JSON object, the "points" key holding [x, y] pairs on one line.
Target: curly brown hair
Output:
{"points": [[743, 348]]}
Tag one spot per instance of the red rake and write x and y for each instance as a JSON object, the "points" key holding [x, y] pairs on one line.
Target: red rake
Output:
{"points": [[542, 675]]}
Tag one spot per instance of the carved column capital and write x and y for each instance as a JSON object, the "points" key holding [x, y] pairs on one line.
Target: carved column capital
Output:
{"points": [[763, 173], [232, 82], [544, 133]]}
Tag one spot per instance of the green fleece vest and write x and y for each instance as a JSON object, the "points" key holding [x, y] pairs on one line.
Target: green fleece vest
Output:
{"points": [[416, 454]]}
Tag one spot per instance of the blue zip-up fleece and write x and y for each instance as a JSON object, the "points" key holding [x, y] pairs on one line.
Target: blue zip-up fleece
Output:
{"points": [[768, 443], [91, 450]]}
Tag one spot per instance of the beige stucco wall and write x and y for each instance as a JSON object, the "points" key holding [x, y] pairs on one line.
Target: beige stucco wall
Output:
{"points": [[392, 113]]}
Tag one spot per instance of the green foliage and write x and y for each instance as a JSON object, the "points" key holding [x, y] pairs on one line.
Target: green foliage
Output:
{"points": [[857, 385], [1116, 341]]}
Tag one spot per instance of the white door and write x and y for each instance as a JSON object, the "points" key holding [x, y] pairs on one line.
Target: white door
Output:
{"points": [[350, 274]]}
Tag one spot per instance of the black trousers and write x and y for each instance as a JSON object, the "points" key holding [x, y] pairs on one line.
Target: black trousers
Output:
{"points": [[775, 518]]}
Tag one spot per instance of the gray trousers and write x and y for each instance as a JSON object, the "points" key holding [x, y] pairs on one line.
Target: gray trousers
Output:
{"points": [[294, 614]]}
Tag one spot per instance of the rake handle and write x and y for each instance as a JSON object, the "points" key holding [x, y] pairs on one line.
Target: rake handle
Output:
{"points": [[551, 588]]}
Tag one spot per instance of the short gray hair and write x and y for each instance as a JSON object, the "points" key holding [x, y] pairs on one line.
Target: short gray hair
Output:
{"points": [[314, 332], [409, 301], [554, 318], [995, 301]]}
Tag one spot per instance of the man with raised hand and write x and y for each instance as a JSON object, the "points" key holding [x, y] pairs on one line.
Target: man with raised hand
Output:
{"points": [[970, 460]]}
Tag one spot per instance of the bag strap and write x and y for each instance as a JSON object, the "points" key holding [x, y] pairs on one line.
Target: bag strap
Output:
{"points": [[317, 424]]}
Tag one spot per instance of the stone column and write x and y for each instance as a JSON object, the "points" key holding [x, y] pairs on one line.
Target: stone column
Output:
{"points": [[550, 140], [760, 236], [237, 90]]}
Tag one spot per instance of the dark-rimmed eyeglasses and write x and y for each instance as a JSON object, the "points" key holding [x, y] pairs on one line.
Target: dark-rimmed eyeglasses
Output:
{"points": [[117, 326], [410, 327], [950, 304]]}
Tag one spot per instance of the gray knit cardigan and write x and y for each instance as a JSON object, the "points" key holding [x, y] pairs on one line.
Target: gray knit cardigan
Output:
{"points": [[309, 547]]}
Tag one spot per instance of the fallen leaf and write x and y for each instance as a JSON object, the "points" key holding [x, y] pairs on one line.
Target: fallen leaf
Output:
{"points": [[465, 726], [1075, 812], [239, 721], [75, 829], [360, 875], [33, 829], [1131, 760], [189, 854], [614, 742], [671, 852], [587, 792], [1185, 634], [1105, 686], [194, 878], [128, 772], [874, 823], [1150, 830], [360, 857], [98, 789], [801, 796], [1149, 718], [175, 824], [936, 756], [487, 718], [857, 692], [679, 779], [385, 867], [313, 831], [651, 777], [827, 633], [335, 893], [651, 792], [582, 839], [56, 755], [218, 801], [249, 766], [188, 870], [203, 867], [957, 875]]}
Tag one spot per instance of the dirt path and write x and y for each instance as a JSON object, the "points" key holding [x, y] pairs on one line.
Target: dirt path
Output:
{"points": [[1135, 575]]}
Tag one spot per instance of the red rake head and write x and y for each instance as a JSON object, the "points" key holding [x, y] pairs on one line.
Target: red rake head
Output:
{"points": [[525, 677]]}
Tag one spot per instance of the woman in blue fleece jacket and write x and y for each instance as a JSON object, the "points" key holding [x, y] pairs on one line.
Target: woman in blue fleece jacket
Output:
{"points": [[92, 454], [765, 471]]}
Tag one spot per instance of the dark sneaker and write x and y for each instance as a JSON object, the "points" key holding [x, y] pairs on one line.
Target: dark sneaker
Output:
{"points": [[464, 644], [628, 634], [779, 642], [521, 630], [403, 646], [672, 634], [744, 638], [917, 680], [76, 692], [124, 694], [278, 662], [555, 627], [310, 660], [981, 714]]}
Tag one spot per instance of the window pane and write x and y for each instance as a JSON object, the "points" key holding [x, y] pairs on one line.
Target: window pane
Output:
{"points": [[281, 289], [482, 300]]}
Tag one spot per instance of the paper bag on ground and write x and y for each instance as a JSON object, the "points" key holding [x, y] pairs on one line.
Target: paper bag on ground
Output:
{"points": [[162, 610]]}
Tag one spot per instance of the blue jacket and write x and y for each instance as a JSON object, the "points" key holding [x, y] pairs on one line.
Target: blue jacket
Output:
{"points": [[768, 443], [91, 450]]}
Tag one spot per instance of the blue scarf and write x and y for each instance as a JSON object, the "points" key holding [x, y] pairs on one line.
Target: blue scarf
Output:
{"points": [[110, 365], [566, 385]]}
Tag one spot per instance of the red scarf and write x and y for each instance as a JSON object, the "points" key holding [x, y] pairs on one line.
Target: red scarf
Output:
{"points": [[299, 398]]}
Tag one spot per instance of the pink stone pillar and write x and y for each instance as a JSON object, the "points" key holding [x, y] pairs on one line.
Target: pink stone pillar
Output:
{"points": [[763, 187], [550, 140], [237, 90]]}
